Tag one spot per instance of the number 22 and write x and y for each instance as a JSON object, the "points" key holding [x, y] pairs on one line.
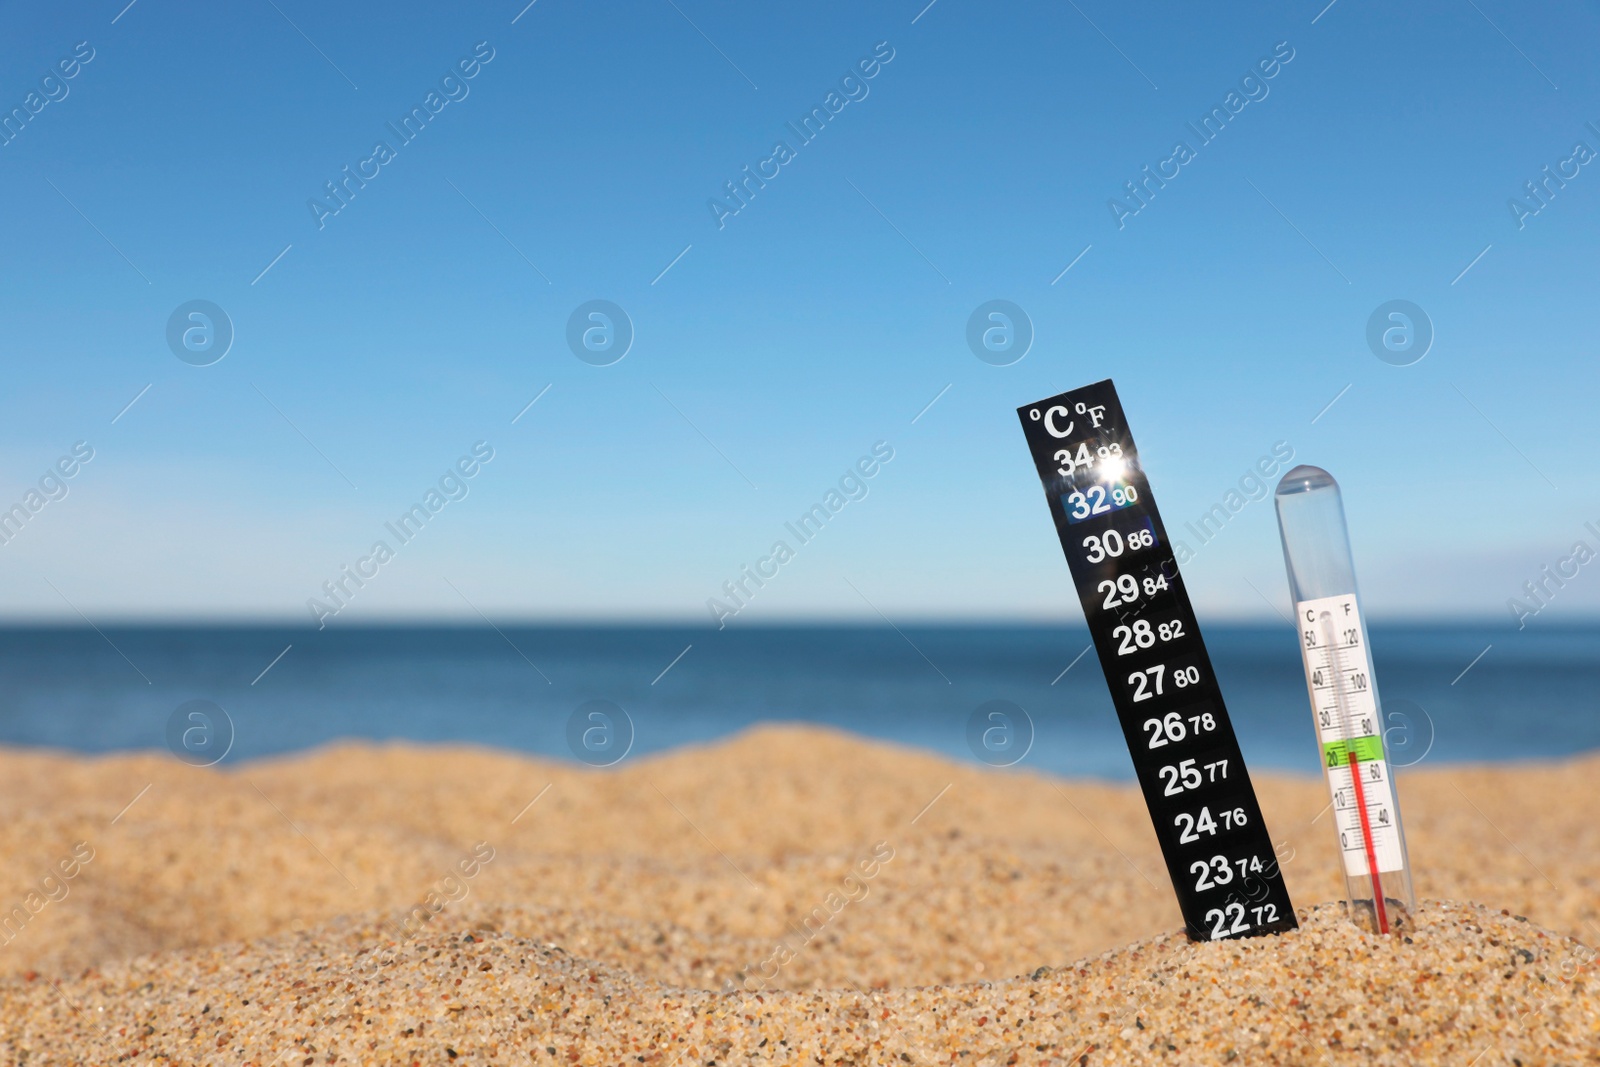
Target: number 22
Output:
{"points": [[1218, 918]]}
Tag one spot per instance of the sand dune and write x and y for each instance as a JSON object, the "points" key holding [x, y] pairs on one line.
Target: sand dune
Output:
{"points": [[861, 902]]}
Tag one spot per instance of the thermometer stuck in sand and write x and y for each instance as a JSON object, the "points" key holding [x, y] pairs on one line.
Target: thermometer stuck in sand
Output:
{"points": [[1344, 698]]}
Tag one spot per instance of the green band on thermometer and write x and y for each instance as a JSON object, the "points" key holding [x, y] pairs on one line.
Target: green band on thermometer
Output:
{"points": [[1366, 749]]}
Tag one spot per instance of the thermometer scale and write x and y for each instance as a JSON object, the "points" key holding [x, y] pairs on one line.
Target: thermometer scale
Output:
{"points": [[1215, 844], [1344, 698]]}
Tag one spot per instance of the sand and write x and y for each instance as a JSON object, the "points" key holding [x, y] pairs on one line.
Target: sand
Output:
{"points": [[792, 895]]}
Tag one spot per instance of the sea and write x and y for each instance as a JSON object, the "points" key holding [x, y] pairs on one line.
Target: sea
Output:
{"points": [[1029, 697]]}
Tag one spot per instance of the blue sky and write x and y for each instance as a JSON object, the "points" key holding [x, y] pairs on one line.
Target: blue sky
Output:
{"points": [[771, 352]]}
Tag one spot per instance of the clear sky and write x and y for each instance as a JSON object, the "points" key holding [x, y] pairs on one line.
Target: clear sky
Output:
{"points": [[774, 345]]}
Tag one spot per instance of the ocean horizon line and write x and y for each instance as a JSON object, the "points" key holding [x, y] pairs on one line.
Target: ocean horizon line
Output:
{"points": [[1451, 621]]}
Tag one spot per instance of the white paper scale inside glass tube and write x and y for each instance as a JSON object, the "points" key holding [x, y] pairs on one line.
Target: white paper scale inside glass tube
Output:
{"points": [[1339, 673]]}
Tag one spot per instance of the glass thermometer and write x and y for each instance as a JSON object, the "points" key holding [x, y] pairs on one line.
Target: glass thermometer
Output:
{"points": [[1344, 698]]}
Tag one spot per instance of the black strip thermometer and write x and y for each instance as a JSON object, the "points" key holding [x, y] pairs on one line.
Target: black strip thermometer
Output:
{"points": [[1218, 852]]}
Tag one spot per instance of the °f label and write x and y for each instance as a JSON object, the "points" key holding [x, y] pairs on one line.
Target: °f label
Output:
{"points": [[1339, 674]]}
